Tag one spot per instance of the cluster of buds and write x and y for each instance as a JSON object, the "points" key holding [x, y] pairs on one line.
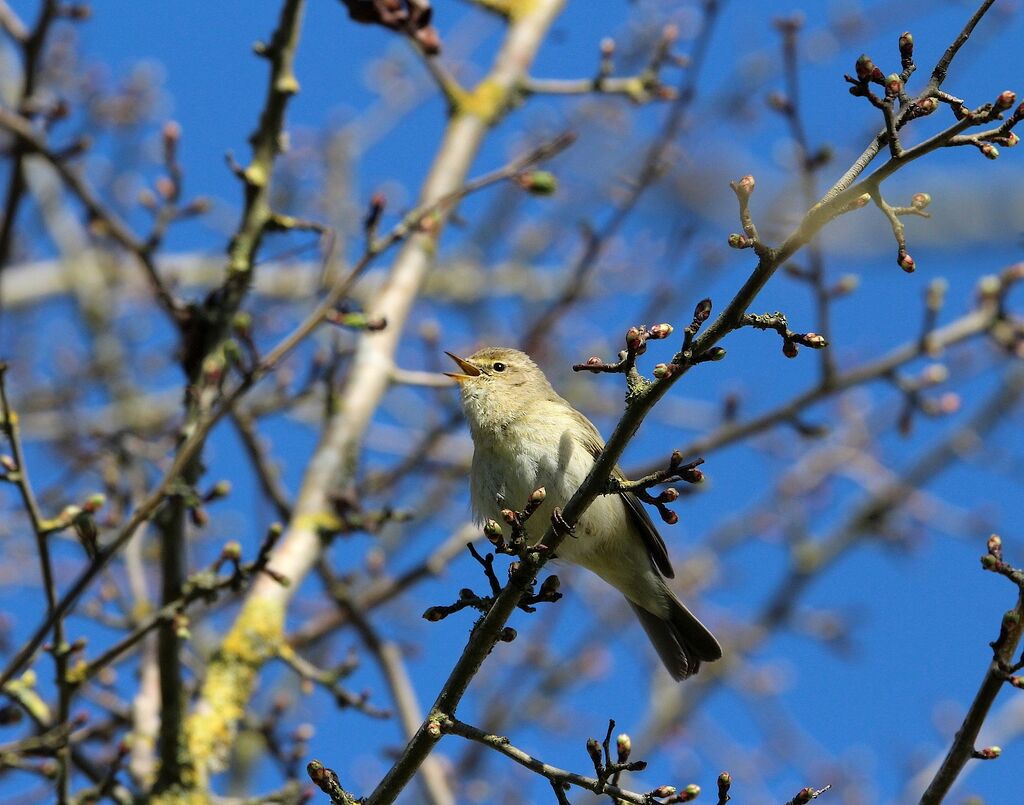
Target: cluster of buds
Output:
{"points": [[676, 471], [637, 337], [792, 342], [636, 344], [600, 755], [669, 795]]}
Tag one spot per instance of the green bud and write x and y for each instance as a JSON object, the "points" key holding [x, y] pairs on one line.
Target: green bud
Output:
{"points": [[538, 183]]}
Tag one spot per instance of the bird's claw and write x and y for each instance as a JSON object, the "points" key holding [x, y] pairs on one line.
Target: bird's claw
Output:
{"points": [[562, 528]]}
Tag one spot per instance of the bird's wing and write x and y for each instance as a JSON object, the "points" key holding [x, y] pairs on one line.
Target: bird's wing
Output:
{"points": [[653, 542]]}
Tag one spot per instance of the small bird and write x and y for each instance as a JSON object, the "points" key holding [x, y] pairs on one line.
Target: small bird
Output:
{"points": [[525, 436]]}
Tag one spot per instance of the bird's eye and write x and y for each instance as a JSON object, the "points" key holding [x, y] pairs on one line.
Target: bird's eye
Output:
{"points": [[498, 366]]}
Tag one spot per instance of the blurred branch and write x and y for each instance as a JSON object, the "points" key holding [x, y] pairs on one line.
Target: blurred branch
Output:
{"points": [[32, 44], [809, 559]]}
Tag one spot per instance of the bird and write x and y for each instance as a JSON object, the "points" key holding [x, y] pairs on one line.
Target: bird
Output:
{"points": [[526, 436]]}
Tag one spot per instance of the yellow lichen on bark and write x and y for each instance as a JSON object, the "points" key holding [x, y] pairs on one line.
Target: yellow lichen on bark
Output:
{"points": [[487, 101], [513, 9], [255, 638]]}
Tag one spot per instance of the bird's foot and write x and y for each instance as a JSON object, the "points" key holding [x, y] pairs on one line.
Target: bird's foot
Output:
{"points": [[562, 528]]}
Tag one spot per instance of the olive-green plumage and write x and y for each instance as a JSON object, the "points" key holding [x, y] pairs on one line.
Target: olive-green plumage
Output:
{"points": [[526, 436]]}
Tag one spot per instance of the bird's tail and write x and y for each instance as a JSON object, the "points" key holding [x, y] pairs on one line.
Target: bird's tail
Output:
{"points": [[682, 641]]}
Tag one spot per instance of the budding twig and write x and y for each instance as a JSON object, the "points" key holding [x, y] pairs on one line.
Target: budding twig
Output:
{"points": [[676, 471]]}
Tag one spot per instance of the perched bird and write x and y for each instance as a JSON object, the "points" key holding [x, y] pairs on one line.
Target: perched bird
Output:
{"points": [[525, 436]]}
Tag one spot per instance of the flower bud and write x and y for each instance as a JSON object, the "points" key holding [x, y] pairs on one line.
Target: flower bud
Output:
{"points": [[166, 187], [538, 495], [920, 200], [693, 476], [670, 494], [815, 341], [690, 793], [738, 241], [989, 151], [219, 490], [702, 312], [624, 746], [607, 47], [662, 791], [893, 85], [906, 45], [634, 338], [1011, 139], [434, 614], [232, 551], [593, 360], [538, 183], [906, 262], [492, 530], [995, 544], [242, 323], [1017, 682], [94, 502], [509, 516], [989, 562], [659, 331], [715, 354], [663, 370], [745, 186], [789, 348], [927, 105], [508, 634], [1006, 99], [989, 753], [594, 750], [864, 67]]}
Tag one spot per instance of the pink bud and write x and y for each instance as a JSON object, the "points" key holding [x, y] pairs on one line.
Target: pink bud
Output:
{"points": [[1006, 99]]}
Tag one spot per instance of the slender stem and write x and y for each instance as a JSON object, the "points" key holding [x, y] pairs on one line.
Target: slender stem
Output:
{"points": [[501, 744]]}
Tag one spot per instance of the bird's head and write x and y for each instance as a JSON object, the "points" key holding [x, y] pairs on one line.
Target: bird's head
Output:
{"points": [[498, 386]]}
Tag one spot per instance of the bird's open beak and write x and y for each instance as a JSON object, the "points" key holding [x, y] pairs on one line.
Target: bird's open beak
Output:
{"points": [[470, 370]]}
